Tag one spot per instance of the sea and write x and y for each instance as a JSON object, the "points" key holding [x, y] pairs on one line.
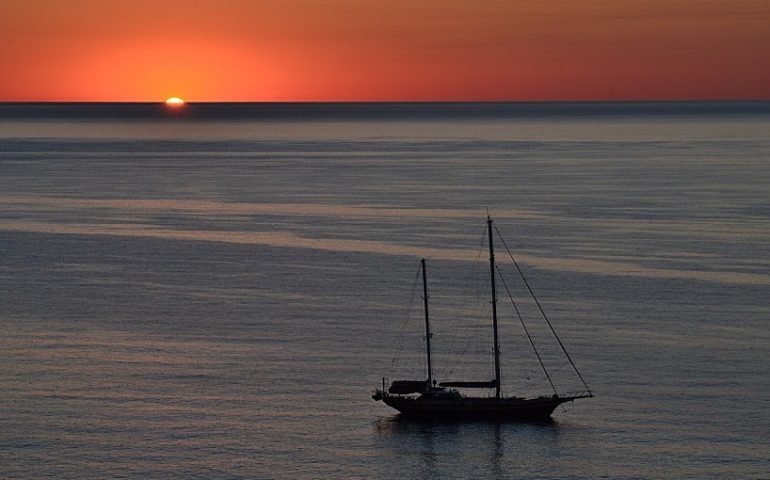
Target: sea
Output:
{"points": [[215, 291]]}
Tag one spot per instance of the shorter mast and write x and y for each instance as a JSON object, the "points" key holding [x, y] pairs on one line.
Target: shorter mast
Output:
{"points": [[427, 321], [494, 308]]}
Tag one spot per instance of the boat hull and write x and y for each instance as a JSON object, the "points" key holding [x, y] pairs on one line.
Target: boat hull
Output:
{"points": [[517, 409]]}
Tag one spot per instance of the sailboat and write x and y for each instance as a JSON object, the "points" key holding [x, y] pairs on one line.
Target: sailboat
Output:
{"points": [[427, 398]]}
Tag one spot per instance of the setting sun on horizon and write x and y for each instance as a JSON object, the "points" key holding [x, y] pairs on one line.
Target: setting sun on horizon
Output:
{"points": [[175, 102], [402, 50]]}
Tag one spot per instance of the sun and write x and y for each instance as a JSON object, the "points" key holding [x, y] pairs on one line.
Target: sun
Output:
{"points": [[174, 102]]}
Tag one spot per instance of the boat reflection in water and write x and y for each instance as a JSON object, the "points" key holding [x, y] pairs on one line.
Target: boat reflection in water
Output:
{"points": [[489, 449]]}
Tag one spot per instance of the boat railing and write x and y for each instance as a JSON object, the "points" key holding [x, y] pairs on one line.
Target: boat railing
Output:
{"points": [[577, 394]]}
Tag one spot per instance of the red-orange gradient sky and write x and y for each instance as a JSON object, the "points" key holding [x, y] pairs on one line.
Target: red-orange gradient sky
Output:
{"points": [[359, 50]]}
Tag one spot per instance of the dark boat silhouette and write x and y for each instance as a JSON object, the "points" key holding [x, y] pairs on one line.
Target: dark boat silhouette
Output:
{"points": [[430, 399]]}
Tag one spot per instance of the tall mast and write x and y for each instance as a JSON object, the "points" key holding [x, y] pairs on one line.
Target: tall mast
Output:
{"points": [[427, 321], [494, 308]]}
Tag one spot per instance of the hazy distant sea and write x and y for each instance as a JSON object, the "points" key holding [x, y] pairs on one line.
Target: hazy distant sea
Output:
{"points": [[215, 292]]}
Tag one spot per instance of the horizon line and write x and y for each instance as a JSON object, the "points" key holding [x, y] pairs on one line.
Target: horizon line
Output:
{"points": [[386, 102]]}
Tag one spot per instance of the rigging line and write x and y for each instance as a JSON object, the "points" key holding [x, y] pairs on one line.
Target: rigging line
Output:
{"points": [[468, 301], [473, 275], [524, 279], [524, 326], [471, 345], [407, 317]]}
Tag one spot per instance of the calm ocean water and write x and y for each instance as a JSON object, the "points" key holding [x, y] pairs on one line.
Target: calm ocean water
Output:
{"points": [[215, 293]]}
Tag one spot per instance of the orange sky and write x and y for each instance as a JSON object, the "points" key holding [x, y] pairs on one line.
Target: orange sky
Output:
{"points": [[359, 50]]}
